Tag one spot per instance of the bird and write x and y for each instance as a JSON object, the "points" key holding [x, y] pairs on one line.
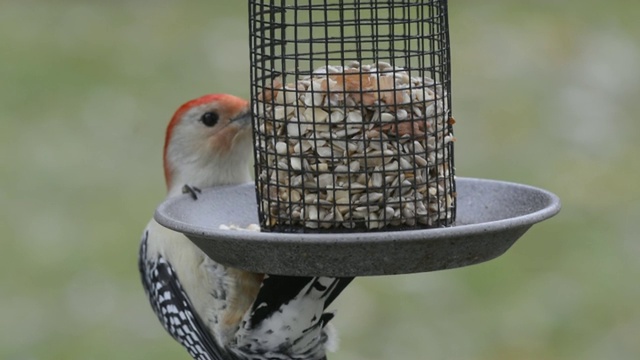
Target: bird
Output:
{"points": [[215, 311]]}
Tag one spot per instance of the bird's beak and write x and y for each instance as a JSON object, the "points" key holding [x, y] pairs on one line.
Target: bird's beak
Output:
{"points": [[243, 119]]}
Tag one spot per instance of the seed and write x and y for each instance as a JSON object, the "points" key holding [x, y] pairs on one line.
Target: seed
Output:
{"points": [[357, 187], [404, 164], [324, 151], [376, 180], [408, 212], [402, 78], [351, 147], [354, 116], [346, 132], [370, 197], [302, 147], [295, 196], [341, 169], [290, 95], [315, 114], [392, 166], [360, 214], [325, 180], [406, 98], [278, 113], [388, 213], [373, 134], [389, 178], [420, 160], [378, 145], [296, 181], [322, 167], [372, 221], [293, 129], [383, 65], [431, 110], [421, 209], [337, 116], [417, 112], [386, 117], [281, 148], [296, 163]]}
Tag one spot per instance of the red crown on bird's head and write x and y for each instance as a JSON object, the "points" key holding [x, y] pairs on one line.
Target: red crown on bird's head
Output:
{"points": [[233, 103]]}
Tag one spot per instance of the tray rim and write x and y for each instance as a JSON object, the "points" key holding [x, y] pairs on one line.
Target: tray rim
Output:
{"points": [[552, 208]]}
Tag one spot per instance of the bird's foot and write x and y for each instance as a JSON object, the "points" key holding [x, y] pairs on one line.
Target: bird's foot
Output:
{"points": [[194, 191]]}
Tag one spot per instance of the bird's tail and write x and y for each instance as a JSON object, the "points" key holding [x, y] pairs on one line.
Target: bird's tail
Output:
{"points": [[288, 317]]}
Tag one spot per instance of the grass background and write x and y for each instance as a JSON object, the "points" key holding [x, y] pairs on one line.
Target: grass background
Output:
{"points": [[546, 93]]}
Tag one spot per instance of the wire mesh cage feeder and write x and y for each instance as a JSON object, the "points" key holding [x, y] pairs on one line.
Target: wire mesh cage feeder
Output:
{"points": [[352, 110], [352, 122]]}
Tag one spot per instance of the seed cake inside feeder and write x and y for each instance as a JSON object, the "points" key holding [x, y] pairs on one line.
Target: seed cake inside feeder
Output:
{"points": [[361, 147]]}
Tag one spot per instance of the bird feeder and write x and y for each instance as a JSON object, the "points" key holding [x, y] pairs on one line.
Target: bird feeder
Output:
{"points": [[353, 149], [352, 115], [352, 121]]}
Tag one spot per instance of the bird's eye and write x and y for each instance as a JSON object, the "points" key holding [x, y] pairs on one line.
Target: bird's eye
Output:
{"points": [[209, 118]]}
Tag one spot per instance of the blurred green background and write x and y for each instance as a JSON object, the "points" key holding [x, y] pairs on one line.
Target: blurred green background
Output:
{"points": [[545, 93]]}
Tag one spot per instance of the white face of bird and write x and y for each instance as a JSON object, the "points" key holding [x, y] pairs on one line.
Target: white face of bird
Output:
{"points": [[208, 143]]}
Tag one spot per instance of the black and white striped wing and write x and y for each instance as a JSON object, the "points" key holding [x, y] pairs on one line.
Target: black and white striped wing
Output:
{"points": [[172, 306]]}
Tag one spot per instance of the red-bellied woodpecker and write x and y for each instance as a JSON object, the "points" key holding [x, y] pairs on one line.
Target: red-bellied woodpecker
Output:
{"points": [[218, 312]]}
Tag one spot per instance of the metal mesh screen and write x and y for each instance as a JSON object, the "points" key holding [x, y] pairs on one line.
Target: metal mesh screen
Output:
{"points": [[352, 115]]}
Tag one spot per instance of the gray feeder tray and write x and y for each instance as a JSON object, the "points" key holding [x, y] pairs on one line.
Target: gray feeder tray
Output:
{"points": [[491, 216]]}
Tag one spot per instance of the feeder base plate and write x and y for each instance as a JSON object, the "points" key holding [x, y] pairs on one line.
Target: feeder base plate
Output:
{"points": [[491, 216]]}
